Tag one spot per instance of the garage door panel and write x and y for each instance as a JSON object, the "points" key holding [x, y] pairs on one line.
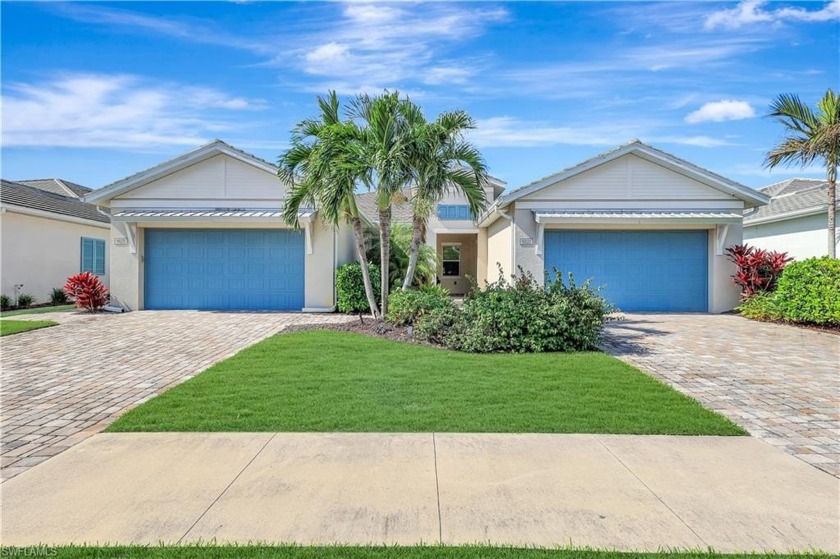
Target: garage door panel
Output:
{"points": [[224, 269], [639, 270]]}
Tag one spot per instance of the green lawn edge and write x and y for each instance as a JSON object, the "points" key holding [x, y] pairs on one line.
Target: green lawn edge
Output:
{"points": [[10, 327], [37, 310], [330, 381], [212, 551]]}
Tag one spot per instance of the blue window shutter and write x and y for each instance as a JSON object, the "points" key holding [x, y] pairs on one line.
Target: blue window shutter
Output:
{"points": [[99, 260], [87, 255]]}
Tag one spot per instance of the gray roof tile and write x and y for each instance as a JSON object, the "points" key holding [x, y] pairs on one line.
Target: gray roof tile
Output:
{"points": [[790, 196], [17, 194], [56, 186]]}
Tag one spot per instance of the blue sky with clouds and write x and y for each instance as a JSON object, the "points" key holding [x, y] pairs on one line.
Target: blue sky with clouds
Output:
{"points": [[93, 92]]}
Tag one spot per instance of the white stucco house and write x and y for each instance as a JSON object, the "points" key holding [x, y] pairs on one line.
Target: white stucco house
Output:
{"points": [[48, 234], [204, 231], [794, 221]]}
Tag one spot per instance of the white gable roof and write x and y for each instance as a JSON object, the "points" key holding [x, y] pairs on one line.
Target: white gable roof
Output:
{"points": [[173, 165], [750, 196]]}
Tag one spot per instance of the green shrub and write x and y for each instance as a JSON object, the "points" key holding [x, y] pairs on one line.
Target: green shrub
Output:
{"points": [[760, 306], [58, 296], [809, 291], [351, 287], [405, 306], [5, 302], [24, 300], [522, 316]]}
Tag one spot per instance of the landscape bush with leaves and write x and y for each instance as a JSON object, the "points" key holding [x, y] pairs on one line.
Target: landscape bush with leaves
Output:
{"points": [[58, 296], [405, 306], [87, 290], [757, 270], [25, 300], [350, 286], [808, 292], [5, 303], [520, 316]]}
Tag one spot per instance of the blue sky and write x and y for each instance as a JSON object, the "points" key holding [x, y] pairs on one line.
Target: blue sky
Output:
{"points": [[93, 92]]}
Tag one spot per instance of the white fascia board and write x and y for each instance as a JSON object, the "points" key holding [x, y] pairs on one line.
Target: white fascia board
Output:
{"points": [[654, 156], [636, 220], [168, 167], [58, 217]]}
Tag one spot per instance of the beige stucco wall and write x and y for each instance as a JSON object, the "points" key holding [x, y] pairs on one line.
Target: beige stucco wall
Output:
{"points": [[801, 237], [459, 285], [41, 253], [127, 268], [499, 235]]}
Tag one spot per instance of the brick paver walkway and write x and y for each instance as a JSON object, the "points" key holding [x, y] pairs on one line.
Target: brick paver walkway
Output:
{"points": [[781, 383], [62, 384]]}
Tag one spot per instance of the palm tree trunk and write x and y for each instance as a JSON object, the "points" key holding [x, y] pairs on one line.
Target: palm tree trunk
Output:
{"points": [[414, 251], [385, 255], [359, 234], [832, 211]]}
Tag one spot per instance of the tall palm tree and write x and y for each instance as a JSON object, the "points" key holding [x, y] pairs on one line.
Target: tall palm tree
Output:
{"points": [[810, 135], [442, 161], [324, 166], [384, 145]]}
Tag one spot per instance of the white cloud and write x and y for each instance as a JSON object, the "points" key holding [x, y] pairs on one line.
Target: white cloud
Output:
{"points": [[720, 111], [751, 12], [121, 111]]}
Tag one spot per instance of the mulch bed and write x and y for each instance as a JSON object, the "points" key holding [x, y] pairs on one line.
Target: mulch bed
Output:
{"points": [[370, 327], [825, 328]]}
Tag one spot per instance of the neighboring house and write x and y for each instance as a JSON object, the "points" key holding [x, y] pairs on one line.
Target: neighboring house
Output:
{"points": [[204, 231], [49, 234], [795, 221]]}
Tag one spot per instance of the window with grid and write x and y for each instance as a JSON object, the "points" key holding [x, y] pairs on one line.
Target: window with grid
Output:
{"points": [[451, 260]]}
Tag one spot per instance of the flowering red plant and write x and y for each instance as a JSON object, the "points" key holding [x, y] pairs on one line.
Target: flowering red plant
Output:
{"points": [[757, 269], [87, 291]]}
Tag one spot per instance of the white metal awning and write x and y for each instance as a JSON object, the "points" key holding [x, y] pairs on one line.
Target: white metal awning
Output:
{"points": [[637, 216], [204, 214]]}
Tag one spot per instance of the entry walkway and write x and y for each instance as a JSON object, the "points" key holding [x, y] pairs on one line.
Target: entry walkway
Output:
{"points": [[610, 491]]}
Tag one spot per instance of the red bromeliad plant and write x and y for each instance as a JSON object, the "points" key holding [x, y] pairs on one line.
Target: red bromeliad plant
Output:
{"points": [[758, 269], [87, 291]]}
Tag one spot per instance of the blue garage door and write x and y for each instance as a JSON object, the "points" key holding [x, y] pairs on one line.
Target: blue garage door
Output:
{"points": [[640, 270], [241, 269]]}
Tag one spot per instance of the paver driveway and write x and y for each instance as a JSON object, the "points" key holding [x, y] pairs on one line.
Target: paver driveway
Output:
{"points": [[62, 384], [779, 382]]}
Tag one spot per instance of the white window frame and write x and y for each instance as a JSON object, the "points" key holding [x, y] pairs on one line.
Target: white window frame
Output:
{"points": [[443, 260]]}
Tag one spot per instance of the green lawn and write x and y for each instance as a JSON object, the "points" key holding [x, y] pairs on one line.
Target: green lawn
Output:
{"points": [[37, 310], [337, 381], [9, 327], [337, 552]]}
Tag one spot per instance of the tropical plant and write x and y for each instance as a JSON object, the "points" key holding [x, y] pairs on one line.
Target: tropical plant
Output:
{"points": [[442, 161], [325, 164], [384, 143], [5, 302], [58, 296], [25, 300], [810, 136], [401, 236], [757, 270], [87, 290], [408, 305]]}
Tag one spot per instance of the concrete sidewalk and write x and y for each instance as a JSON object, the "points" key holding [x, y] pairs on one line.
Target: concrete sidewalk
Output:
{"points": [[610, 491]]}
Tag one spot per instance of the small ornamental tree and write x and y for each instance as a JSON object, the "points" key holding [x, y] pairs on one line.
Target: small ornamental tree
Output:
{"points": [[87, 291], [757, 270]]}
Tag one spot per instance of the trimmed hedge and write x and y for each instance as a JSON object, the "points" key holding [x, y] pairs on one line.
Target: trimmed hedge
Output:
{"points": [[808, 291], [350, 287]]}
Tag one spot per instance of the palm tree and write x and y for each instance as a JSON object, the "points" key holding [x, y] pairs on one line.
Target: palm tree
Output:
{"points": [[442, 161], [324, 166], [810, 135], [384, 144]]}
